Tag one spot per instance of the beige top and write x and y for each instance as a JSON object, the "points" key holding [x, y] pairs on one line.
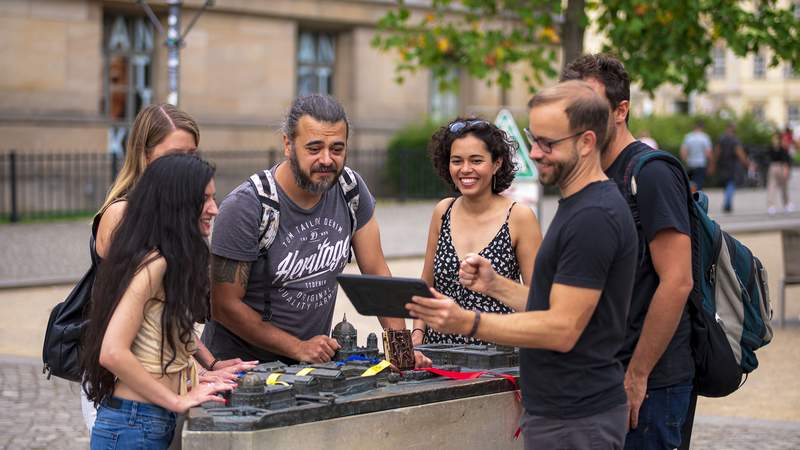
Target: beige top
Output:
{"points": [[147, 347]]}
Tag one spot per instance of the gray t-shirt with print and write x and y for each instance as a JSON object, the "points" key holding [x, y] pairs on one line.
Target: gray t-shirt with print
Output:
{"points": [[298, 274]]}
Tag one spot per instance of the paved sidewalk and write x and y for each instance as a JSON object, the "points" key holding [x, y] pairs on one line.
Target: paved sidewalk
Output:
{"points": [[39, 414], [55, 253]]}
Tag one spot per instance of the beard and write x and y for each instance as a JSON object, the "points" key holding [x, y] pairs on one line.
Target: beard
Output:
{"points": [[304, 180], [562, 170]]}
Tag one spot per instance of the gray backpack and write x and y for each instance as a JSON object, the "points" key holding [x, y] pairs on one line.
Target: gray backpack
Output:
{"points": [[263, 183]]}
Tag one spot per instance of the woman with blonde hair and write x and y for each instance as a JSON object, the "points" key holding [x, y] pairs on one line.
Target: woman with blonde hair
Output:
{"points": [[158, 130], [149, 293]]}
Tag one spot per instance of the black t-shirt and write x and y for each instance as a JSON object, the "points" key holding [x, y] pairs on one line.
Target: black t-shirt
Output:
{"points": [[728, 162], [661, 199], [591, 243]]}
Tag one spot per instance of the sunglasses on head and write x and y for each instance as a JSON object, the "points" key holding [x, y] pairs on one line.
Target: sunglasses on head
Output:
{"points": [[546, 145], [459, 125]]}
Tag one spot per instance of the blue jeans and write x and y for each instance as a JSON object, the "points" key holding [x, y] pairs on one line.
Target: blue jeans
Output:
{"points": [[125, 424], [730, 189], [698, 176], [661, 417]]}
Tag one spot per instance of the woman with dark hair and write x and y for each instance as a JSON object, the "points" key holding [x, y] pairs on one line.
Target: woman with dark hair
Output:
{"points": [[476, 159], [150, 290], [158, 130]]}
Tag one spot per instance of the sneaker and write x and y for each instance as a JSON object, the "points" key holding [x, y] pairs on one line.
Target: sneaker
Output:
{"points": [[772, 210], [790, 208]]}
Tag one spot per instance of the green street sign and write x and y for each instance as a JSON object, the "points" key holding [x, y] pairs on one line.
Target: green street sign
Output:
{"points": [[526, 169]]}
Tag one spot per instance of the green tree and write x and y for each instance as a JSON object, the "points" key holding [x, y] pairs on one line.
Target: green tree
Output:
{"points": [[660, 41]]}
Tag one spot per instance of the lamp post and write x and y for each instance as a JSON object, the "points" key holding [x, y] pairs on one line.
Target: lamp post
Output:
{"points": [[174, 41]]}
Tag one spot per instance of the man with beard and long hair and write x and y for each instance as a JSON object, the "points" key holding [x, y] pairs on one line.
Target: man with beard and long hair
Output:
{"points": [[573, 325], [657, 354], [276, 303]]}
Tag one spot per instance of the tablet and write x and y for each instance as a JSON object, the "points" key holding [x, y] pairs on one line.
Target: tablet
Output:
{"points": [[374, 295]]}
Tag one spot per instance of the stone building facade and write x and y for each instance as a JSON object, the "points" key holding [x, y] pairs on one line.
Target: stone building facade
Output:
{"points": [[76, 71]]}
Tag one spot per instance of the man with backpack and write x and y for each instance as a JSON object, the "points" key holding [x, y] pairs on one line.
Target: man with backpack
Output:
{"points": [[657, 353], [282, 237]]}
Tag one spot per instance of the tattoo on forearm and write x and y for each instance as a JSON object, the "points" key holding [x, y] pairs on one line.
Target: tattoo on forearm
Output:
{"points": [[224, 270]]}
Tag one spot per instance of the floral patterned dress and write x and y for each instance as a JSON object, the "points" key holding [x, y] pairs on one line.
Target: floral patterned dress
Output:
{"points": [[500, 252]]}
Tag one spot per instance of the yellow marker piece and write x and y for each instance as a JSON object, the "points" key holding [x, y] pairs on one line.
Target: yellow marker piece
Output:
{"points": [[376, 369], [273, 379], [305, 371]]}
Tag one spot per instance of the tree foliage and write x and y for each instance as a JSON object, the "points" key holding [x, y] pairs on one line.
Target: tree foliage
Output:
{"points": [[660, 41]]}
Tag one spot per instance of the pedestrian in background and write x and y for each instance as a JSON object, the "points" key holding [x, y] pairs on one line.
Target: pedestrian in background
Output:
{"points": [[696, 152], [730, 159], [778, 175]]}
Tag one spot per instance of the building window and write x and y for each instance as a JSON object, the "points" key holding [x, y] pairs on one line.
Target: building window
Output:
{"points": [[757, 110], [443, 104], [127, 65], [793, 113], [759, 66], [718, 68], [315, 59], [680, 107]]}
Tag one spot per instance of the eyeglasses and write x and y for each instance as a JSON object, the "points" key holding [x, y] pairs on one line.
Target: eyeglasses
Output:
{"points": [[459, 125], [547, 144]]}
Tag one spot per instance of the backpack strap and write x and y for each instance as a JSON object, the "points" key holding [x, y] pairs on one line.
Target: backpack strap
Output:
{"points": [[350, 189], [633, 166], [263, 183]]}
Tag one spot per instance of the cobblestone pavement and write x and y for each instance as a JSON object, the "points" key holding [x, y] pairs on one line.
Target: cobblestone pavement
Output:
{"points": [[36, 413]]}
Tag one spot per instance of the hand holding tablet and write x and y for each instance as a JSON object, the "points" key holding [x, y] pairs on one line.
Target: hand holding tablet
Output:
{"points": [[374, 295]]}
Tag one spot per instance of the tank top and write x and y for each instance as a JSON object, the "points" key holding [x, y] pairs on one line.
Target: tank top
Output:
{"points": [[147, 347], [500, 252]]}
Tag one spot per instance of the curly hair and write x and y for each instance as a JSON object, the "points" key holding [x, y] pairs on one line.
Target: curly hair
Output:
{"points": [[498, 143]]}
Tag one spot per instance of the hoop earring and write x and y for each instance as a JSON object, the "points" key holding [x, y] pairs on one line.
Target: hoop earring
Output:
{"points": [[494, 183]]}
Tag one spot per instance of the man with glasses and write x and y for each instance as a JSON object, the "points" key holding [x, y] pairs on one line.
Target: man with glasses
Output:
{"points": [[657, 353], [574, 321]]}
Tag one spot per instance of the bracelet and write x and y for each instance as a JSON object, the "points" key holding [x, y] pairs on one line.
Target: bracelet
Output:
{"points": [[214, 362], [475, 324], [417, 329]]}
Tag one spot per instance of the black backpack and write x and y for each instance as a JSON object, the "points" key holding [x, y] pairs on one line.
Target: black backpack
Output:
{"points": [[729, 306], [60, 351]]}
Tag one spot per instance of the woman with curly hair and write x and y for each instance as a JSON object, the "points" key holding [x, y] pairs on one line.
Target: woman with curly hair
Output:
{"points": [[149, 293], [476, 159]]}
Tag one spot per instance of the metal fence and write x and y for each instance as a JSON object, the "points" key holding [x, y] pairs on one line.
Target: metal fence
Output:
{"points": [[43, 185]]}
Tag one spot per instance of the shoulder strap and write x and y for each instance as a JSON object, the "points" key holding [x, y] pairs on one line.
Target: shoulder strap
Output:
{"points": [[508, 216], [263, 184], [349, 184], [634, 166], [449, 207]]}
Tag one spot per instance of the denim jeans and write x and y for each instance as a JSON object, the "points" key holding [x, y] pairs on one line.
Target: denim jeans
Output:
{"points": [[125, 424], [661, 417], [730, 189], [698, 177]]}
